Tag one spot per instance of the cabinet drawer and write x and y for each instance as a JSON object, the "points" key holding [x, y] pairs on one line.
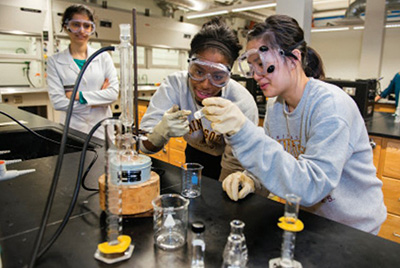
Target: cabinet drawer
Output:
{"points": [[391, 195], [177, 143], [390, 229], [391, 166], [176, 157]]}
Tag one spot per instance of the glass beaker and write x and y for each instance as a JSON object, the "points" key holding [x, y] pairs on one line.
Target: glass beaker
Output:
{"points": [[191, 180], [170, 221]]}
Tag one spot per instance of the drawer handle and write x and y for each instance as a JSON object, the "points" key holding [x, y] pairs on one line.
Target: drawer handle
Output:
{"points": [[372, 143], [396, 235]]}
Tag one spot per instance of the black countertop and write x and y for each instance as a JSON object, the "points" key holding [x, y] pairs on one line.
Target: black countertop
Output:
{"points": [[383, 125], [323, 243]]}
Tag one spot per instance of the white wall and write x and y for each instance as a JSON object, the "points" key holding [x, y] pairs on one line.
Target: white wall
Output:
{"points": [[340, 52]]}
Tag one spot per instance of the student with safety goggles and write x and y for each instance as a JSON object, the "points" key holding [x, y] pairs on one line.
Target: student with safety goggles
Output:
{"points": [[171, 110], [314, 142], [99, 86]]}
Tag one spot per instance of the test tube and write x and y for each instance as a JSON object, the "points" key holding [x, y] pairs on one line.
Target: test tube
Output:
{"points": [[199, 114]]}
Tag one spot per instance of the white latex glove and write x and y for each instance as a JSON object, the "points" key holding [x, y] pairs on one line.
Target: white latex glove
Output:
{"points": [[174, 123], [235, 180], [225, 116]]}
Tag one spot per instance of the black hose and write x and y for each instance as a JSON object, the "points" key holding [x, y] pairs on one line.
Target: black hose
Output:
{"points": [[57, 170], [27, 74]]}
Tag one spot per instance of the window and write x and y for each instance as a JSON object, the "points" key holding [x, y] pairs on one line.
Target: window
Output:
{"points": [[163, 57]]}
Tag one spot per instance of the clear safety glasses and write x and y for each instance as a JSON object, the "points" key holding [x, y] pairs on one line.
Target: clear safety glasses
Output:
{"points": [[76, 26], [259, 61], [217, 73]]}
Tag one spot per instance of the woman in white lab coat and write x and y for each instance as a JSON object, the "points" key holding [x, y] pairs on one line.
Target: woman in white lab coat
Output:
{"points": [[99, 85]]}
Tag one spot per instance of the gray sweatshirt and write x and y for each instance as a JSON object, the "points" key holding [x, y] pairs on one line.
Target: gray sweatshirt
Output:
{"points": [[320, 152]]}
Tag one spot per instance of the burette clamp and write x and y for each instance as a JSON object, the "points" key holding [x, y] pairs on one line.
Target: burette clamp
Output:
{"points": [[295, 226]]}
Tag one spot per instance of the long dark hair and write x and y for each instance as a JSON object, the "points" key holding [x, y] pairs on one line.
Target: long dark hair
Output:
{"points": [[215, 33], [283, 32]]}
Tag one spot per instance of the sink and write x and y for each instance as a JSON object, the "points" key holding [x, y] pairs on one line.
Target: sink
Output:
{"points": [[25, 145]]}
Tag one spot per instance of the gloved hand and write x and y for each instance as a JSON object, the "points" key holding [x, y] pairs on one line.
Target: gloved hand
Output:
{"points": [[225, 116], [235, 180], [174, 123]]}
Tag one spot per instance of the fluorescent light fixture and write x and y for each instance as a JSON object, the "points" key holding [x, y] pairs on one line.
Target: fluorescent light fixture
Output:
{"points": [[252, 7], [316, 2], [358, 28], [228, 9], [206, 14], [330, 29], [392, 26]]}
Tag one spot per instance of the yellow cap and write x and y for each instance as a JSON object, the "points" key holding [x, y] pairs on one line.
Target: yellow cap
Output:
{"points": [[121, 247], [296, 226]]}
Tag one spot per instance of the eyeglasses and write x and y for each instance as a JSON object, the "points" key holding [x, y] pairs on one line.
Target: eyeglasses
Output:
{"points": [[217, 73], [259, 61], [76, 26]]}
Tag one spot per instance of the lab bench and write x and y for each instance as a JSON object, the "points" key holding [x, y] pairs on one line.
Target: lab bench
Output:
{"points": [[385, 138], [323, 243]]}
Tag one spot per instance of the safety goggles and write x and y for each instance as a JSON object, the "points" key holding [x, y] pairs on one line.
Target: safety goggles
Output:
{"points": [[257, 61], [76, 26], [217, 73]]}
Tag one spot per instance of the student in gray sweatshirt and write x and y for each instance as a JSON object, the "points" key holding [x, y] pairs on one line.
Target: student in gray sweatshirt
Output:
{"points": [[213, 50], [314, 142]]}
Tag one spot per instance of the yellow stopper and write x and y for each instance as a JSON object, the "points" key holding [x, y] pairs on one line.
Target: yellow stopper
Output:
{"points": [[292, 226], [121, 247]]}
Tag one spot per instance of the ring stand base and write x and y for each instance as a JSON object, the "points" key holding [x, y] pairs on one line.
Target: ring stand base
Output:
{"points": [[276, 263], [109, 259]]}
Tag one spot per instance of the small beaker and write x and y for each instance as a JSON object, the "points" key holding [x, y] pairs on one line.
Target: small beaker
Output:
{"points": [[191, 180], [170, 220]]}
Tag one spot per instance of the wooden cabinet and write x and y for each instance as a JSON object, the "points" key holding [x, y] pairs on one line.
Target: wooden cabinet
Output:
{"points": [[142, 107], [177, 148], [384, 107], [174, 151], [386, 160]]}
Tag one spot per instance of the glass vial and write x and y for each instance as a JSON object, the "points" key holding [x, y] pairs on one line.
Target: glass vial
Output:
{"points": [[235, 252], [198, 245]]}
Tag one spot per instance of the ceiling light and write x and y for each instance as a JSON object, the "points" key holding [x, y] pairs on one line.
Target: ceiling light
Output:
{"points": [[228, 9], [206, 14], [358, 28], [392, 26], [253, 7], [332, 29]]}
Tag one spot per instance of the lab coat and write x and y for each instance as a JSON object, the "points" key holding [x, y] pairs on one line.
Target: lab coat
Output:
{"points": [[62, 72]]}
